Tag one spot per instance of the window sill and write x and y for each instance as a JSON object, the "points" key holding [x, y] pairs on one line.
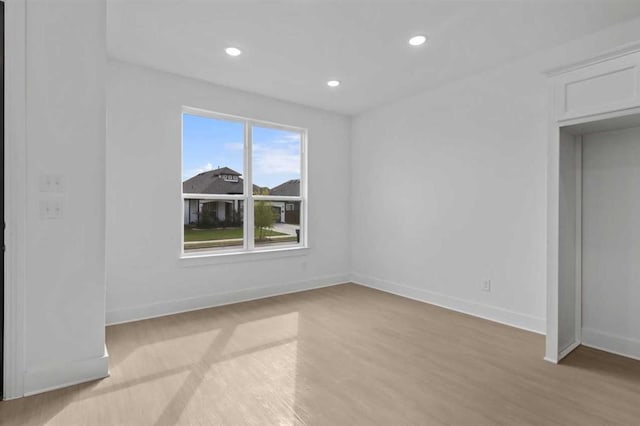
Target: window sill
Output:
{"points": [[207, 259]]}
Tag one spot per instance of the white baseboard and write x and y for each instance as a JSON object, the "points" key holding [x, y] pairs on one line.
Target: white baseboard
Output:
{"points": [[50, 377], [607, 342], [566, 351], [492, 313], [136, 313]]}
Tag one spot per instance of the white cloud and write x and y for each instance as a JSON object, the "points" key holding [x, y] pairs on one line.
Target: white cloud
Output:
{"points": [[288, 138], [190, 173], [205, 168], [234, 146], [274, 160]]}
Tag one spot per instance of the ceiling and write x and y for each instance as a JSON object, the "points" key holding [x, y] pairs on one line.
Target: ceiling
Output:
{"points": [[291, 48]]}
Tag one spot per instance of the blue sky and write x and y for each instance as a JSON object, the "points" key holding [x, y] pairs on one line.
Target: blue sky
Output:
{"points": [[210, 143]]}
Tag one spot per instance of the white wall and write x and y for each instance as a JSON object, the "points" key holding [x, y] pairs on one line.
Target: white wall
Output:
{"points": [[65, 122], [145, 276], [611, 243], [465, 166]]}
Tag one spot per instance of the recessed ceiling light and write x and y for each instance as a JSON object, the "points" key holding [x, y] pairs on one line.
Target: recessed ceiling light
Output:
{"points": [[333, 83], [417, 40], [233, 51]]}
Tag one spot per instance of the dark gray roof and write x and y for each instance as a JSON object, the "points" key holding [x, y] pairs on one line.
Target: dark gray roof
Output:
{"points": [[290, 188], [224, 171], [212, 182]]}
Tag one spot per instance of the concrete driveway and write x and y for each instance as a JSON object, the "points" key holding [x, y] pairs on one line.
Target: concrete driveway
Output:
{"points": [[286, 228]]}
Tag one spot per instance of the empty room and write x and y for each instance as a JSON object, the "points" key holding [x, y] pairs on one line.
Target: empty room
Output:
{"points": [[310, 212]]}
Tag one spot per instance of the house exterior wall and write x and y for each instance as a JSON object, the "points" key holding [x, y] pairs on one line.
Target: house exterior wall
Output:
{"points": [[281, 206]]}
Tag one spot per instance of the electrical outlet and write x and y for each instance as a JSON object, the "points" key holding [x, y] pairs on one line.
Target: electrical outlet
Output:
{"points": [[486, 285]]}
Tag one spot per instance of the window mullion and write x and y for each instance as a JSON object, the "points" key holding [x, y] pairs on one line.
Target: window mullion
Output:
{"points": [[188, 196], [248, 158], [276, 198]]}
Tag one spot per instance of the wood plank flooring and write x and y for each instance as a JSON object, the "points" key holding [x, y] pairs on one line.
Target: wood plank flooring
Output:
{"points": [[339, 355]]}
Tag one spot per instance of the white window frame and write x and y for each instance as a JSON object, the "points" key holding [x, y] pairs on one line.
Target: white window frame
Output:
{"points": [[248, 197]]}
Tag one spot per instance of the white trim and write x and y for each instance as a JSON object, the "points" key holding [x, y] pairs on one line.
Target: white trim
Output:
{"points": [[553, 352], [223, 197], [56, 376], [304, 182], [15, 199], [234, 256], [607, 342], [578, 244], [556, 124], [603, 57], [180, 186], [277, 198], [249, 212], [248, 197], [230, 117], [491, 313], [593, 117], [170, 307], [563, 353], [566, 351], [553, 234]]}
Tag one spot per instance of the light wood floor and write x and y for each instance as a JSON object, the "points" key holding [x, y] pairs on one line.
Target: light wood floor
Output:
{"points": [[339, 355]]}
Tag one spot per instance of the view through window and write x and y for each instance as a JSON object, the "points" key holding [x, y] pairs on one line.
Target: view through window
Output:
{"points": [[242, 184]]}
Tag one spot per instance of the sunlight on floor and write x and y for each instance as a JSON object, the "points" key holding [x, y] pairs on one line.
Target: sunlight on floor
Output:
{"points": [[230, 373]]}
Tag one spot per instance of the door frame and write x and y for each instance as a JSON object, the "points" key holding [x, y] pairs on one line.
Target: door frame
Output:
{"points": [[553, 353], [15, 197]]}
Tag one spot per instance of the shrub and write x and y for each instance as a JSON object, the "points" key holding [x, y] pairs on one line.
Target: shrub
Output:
{"points": [[263, 218]]}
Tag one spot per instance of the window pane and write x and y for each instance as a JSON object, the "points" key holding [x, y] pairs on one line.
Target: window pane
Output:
{"points": [[212, 155], [276, 161], [277, 223], [213, 225]]}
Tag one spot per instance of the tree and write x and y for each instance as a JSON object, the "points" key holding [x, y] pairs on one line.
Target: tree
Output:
{"points": [[263, 217]]}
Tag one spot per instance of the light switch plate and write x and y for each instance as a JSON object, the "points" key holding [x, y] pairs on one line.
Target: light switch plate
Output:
{"points": [[51, 183], [51, 209]]}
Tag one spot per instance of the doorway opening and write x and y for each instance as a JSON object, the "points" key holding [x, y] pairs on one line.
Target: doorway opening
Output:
{"points": [[599, 236]]}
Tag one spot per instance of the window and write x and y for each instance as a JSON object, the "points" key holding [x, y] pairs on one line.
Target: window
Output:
{"points": [[230, 178], [243, 184]]}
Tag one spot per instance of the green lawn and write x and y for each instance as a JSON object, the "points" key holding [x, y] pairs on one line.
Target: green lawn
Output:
{"points": [[219, 234]]}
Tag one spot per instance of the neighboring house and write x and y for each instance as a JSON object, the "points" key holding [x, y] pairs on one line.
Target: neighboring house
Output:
{"points": [[219, 181], [288, 212], [227, 181]]}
